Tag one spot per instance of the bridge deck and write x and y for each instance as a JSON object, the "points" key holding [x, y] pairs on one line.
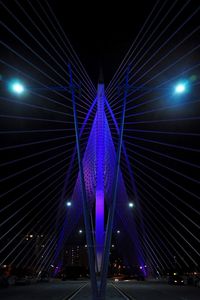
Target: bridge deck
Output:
{"points": [[59, 290]]}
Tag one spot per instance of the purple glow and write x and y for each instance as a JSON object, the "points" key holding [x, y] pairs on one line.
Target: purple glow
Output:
{"points": [[64, 230], [100, 161]]}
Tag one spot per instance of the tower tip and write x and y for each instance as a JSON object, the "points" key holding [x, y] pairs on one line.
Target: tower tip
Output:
{"points": [[101, 79]]}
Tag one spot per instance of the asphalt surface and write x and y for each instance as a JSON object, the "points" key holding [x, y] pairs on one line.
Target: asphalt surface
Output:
{"points": [[55, 290], [59, 290], [85, 293], [158, 291]]}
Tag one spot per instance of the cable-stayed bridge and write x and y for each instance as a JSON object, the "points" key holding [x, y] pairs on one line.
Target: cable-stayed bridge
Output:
{"points": [[115, 168]]}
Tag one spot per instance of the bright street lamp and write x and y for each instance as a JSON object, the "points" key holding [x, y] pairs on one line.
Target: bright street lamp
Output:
{"points": [[131, 204], [69, 203]]}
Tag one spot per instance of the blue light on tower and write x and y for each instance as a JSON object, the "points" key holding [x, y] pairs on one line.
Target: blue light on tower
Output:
{"points": [[16, 87], [181, 88]]}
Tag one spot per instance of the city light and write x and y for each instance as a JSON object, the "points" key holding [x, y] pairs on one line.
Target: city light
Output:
{"points": [[16, 87], [80, 231], [118, 231], [131, 204]]}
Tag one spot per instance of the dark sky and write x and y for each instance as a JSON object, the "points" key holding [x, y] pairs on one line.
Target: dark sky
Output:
{"points": [[102, 32]]}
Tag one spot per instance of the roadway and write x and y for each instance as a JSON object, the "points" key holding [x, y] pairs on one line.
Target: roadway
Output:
{"points": [[155, 290], [54, 290], [63, 290]]}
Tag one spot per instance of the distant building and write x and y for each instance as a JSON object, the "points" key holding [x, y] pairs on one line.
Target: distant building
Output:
{"points": [[75, 255]]}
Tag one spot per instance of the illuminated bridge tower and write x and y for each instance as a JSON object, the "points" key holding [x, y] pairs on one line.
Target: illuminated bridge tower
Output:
{"points": [[99, 182], [100, 167]]}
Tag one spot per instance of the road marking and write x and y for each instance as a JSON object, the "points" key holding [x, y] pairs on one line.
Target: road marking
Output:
{"points": [[127, 297], [74, 294]]}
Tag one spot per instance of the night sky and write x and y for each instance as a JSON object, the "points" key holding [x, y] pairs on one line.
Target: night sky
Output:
{"points": [[102, 33]]}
